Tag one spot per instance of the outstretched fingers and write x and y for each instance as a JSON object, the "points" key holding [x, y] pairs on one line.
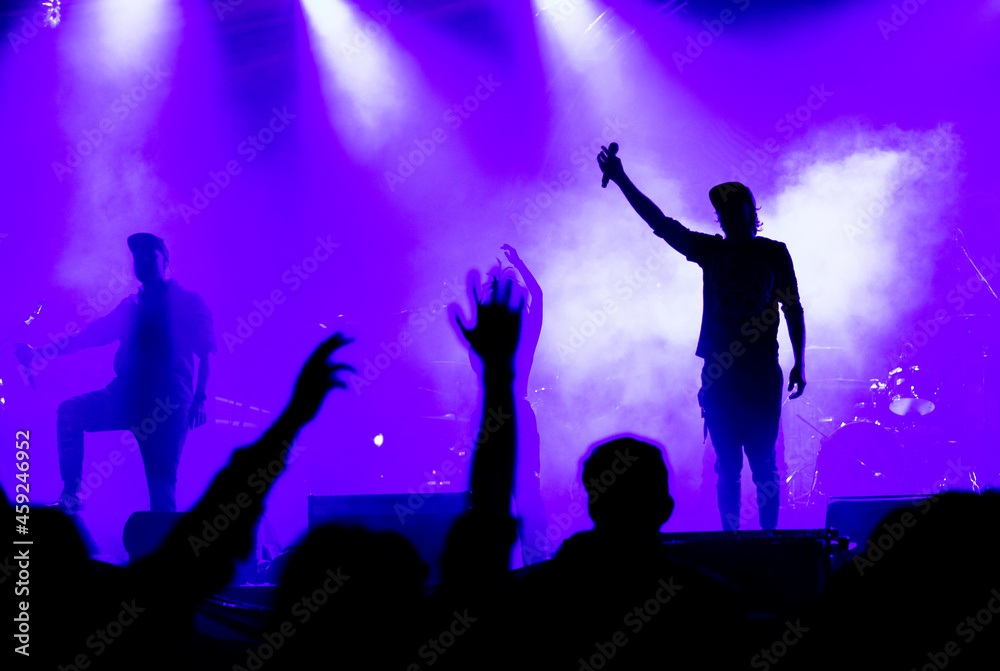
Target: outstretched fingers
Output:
{"points": [[327, 347], [319, 359], [334, 380]]}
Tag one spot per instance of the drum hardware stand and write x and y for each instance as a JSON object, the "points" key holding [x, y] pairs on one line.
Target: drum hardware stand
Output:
{"points": [[815, 477], [958, 240]]}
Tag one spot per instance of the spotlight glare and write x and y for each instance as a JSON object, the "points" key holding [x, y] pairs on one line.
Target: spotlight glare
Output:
{"points": [[133, 31], [53, 12], [368, 81]]}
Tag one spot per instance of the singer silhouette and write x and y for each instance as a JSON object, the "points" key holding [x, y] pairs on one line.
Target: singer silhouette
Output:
{"points": [[745, 278]]}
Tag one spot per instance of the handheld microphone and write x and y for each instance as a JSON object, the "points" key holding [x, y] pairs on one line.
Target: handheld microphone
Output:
{"points": [[612, 150], [28, 372], [31, 317]]}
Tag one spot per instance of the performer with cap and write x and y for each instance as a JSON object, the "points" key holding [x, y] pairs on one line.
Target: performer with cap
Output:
{"points": [[156, 393], [745, 278]]}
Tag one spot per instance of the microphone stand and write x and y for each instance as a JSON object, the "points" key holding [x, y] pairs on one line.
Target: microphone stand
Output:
{"points": [[958, 240]]}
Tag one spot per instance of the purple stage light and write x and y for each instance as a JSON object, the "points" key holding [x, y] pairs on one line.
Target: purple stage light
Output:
{"points": [[413, 147]]}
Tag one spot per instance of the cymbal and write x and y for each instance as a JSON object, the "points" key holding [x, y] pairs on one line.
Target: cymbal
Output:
{"points": [[907, 406]]}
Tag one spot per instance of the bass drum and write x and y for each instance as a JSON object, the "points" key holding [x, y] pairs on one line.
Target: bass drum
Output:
{"points": [[860, 459]]}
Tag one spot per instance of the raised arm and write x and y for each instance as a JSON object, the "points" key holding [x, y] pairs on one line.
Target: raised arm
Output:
{"points": [[202, 550], [494, 337], [534, 289], [479, 542], [531, 324], [669, 229]]}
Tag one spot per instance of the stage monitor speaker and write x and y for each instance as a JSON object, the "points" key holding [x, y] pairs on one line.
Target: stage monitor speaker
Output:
{"points": [[422, 520], [857, 516], [777, 572]]}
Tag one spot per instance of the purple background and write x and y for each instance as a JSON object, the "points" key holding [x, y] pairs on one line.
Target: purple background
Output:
{"points": [[866, 139]]}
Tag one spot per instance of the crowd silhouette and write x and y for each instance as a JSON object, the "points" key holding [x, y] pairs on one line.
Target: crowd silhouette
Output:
{"points": [[611, 598]]}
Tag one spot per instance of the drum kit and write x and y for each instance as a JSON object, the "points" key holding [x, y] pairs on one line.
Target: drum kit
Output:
{"points": [[928, 425]]}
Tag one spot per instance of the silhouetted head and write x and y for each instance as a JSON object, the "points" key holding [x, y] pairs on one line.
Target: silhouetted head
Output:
{"points": [[626, 482], [150, 257], [929, 566], [736, 209], [347, 589]]}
